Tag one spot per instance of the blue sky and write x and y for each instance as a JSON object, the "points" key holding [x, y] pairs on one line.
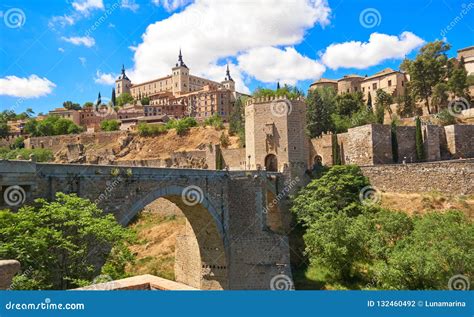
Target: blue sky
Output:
{"points": [[50, 50]]}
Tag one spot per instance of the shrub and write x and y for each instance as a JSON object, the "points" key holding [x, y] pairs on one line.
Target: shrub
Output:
{"points": [[145, 129], [214, 121], [61, 242], [110, 125], [41, 155]]}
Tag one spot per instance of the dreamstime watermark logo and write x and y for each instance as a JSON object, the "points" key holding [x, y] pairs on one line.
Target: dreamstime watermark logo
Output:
{"points": [[14, 18], [107, 283], [192, 195], [14, 196], [281, 282], [369, 195], [456, 106], [103, 108], [281, 107], [370, 18], [107, 13], [282, 194], [111, 185], [466, 8], [459, 282]]}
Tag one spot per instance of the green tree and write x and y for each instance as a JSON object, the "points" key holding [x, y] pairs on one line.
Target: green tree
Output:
{"points": [[123, 99], [382, 104], [214, 121], [52, 125], [320, 107], [369, 103], [406, 104], [237, 120], [114, 98], [336, 150], [440, 96], [4, 129], [420, 152], [71, 105], [145, 101], [428, 69], [60, 241], [393, 133], [88, 104], [457, 81], [349, 103], [110, 125], [440, 246]]}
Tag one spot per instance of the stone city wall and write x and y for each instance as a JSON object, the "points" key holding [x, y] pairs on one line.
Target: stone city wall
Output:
{"points": [[449, 177]]}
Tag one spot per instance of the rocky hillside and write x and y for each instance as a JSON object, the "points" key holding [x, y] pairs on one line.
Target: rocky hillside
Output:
{"points": [[107, 148]]}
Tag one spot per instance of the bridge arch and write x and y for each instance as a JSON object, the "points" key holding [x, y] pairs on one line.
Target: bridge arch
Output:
{"points": [[201, 255]]}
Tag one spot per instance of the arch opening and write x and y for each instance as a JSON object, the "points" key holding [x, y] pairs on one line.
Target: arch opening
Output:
{"points": [[271, 163], [200, 258]]}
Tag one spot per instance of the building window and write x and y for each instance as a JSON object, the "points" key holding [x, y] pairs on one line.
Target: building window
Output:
{"points": [[389, 83], [374, 86]]}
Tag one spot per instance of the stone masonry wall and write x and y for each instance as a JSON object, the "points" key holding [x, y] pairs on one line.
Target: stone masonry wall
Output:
{"points": [[450, 177]]}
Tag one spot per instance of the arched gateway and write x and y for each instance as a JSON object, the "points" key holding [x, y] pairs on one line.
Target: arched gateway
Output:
{"points": [[228, 243]]}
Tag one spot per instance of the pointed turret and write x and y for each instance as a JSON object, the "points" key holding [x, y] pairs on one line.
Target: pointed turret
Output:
{"points": [[180, 62], [123, 75], [99, 101], [227, 74]]}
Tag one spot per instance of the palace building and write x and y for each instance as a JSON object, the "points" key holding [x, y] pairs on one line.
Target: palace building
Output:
{"points": [[182, 94]]}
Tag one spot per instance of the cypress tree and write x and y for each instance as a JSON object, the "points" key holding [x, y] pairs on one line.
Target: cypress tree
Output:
{"points": [[420, 155], [393, 132], [336, 157], [113, 97], [369, 103]]}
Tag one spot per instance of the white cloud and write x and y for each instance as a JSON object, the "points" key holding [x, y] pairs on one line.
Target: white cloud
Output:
{"points": [[171, 5], [380, 47], [76, 40], [210, 31], [83, 61], [270, 64], [104, 79], [63, 20], [130, 4], [85, 6], [61, 49], [28, 87]]}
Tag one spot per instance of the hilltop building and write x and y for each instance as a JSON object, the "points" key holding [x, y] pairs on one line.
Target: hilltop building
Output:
{"points": [[182, 94], [468, 54]]}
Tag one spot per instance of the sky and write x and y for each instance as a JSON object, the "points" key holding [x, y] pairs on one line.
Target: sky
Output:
{"points": [[57, 50]]}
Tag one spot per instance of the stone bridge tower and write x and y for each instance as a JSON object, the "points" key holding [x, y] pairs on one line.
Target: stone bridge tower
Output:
{"points": [[275, 135]]}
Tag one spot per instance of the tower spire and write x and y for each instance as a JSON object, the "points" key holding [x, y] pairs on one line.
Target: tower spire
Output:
{"points": [[227, 74], [180, 62]]}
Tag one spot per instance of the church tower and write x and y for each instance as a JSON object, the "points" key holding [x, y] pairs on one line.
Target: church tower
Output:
{"points": [[122, 84], [228, 81], [180, 76]]}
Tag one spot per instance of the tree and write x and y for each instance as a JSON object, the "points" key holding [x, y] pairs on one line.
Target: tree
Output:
{"points": [[420, 153], [52, 125], [457, 81], [224, 140], [382, 103], [114, 98], [406, 104], [4, 129], [69, 105], [439, 246], [369, 102], [61, 242], [145, 101], [393, 133], [349, 103], [428, 69], [336, 150], [110, 125], [237, 120], [320, 107], [98, 102], [440, 96], [123, 99], [88, 104]]}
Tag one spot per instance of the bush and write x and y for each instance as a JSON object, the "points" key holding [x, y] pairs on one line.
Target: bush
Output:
{"points": [[368, 245], [61, 242], [109, 125], [41, 155], [445, 118], [52, 125], [224, 140], [145, 129], [18, 143], [214, 121], [182, 125]]}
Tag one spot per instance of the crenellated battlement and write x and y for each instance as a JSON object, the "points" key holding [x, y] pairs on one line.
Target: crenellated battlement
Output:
{"points": [[267, 99]]}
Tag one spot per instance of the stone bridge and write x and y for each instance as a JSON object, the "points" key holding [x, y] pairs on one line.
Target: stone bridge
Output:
{"points": [[233, 238]]}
